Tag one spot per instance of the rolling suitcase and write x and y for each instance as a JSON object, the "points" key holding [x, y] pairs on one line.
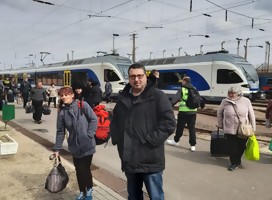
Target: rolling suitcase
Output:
{"points": [[218, 145]]}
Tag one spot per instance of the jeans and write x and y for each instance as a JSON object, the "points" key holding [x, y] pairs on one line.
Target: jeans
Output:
{"points": [[153, 183], [54, 99]]}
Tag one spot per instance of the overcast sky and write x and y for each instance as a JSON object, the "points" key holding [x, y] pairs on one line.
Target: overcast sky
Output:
{"points": [[28, 28]]}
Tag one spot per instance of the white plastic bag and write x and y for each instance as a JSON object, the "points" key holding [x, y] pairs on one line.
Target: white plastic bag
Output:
{"points": [[267, 123]]}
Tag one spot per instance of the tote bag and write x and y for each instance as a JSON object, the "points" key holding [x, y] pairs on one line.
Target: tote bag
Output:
{"points": [[252, 151], [245, 130], [57, 179]]}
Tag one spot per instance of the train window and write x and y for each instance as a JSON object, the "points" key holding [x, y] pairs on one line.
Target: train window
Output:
{"points": [[82, 76], [226, 76], [169, 78], [59, 79], [269, 81], [110, 75]]}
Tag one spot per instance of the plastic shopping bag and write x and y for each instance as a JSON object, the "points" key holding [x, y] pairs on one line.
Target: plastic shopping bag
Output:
{"points": [[252, 151], [267, 123]]}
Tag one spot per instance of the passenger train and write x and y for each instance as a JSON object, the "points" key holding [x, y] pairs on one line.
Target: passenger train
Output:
{"points": [[212, 74], [265, 79], [110, 67]]}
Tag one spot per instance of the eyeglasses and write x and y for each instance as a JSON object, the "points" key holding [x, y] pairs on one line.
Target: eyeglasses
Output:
{"points": [[139, 76]]}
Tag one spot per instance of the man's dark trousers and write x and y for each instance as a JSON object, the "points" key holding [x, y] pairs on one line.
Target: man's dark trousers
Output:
{"points": [[37, 115], [25, 98], [183, 119]]}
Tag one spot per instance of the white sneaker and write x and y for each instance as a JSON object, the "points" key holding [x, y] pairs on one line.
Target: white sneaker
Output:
{"points": [[172, 143], [192, 148]]}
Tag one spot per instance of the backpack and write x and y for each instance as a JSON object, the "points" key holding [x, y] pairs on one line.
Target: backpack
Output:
{"points": [[102, 134], [103, 128], [194, 99]]}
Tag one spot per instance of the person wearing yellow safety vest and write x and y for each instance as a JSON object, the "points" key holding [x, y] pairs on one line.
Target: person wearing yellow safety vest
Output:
{"points": [[186, 115]]}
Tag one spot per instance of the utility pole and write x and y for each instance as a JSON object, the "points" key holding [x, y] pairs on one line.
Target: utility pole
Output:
{"points": [[246, 48], [133, 47], [267, 55]]}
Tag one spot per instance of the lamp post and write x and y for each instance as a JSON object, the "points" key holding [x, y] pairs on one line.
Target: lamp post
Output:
{"points": [[30, 55], [150, 55], [238, 44], [201, 52], [163, 53], [113, 36], [246, 48], [222, 47], [179, 51]]}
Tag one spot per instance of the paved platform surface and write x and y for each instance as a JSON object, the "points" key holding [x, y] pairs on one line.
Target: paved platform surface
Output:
{"points": [[185, 171], [23, 174]]}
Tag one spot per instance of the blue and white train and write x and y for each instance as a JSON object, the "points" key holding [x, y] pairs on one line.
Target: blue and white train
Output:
{"points": [[112, 68], [212, 74]]}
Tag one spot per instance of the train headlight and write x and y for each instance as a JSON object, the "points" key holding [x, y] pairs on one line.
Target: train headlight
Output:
{"points": [[245, 85]]}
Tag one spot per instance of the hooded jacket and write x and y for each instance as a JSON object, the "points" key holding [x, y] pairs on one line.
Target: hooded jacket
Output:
{"points": [[140, 126], [81, 126]]}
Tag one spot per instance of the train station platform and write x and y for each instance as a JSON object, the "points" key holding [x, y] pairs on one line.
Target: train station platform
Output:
{"points": [[23, 174], [187, 176]]}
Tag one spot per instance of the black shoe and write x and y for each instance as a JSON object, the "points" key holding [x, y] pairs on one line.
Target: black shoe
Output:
{"points": [[233, 167], [40, 121]]}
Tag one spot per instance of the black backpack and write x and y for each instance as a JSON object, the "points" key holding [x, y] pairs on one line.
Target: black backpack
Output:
{"points": [[194, 99]]}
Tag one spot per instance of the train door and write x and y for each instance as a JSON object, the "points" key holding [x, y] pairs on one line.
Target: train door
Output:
{"points": [[79, 76], [67, 78]]}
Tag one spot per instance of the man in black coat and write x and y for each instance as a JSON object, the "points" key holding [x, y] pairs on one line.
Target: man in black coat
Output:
{"points": [[25, 88], [93, 94], [143, 119]]}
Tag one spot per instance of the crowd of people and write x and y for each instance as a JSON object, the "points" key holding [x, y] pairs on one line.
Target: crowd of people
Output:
{"points": [[143, 119]]}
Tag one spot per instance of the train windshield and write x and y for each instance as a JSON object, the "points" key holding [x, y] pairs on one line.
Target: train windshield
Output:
{"points": [[124, 70], [249, 71]]}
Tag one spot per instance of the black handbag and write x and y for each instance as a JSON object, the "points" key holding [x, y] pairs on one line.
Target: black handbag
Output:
{"points": [[29, 108], [58, 178], [46, 110]]}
